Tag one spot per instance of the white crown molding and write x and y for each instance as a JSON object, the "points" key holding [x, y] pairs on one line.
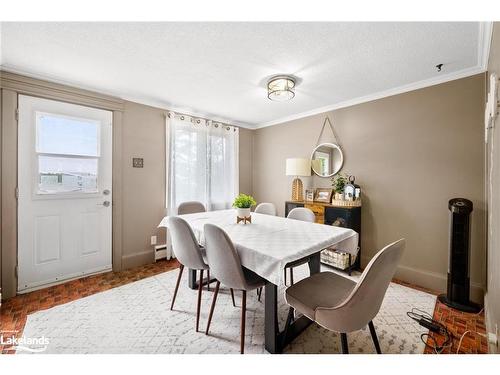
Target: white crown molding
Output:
{"points": [[484, 44], [145, 101], [379, 95], [486, 41], [185, 111]]}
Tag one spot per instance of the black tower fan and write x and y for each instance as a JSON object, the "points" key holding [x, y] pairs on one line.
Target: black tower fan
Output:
{"points": [[457, 295]]}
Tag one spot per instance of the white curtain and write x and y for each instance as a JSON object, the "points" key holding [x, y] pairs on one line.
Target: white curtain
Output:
{"points": [[202, 164]]}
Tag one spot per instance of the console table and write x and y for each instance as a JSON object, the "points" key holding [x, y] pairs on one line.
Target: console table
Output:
{"points": [[328, 214]]}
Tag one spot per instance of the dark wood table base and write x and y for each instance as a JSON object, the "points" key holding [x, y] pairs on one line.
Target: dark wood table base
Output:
{"points": [[275, 341], [193, 279]]}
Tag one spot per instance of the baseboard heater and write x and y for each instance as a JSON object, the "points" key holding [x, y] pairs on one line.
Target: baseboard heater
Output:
{"points": [[161, 252]]}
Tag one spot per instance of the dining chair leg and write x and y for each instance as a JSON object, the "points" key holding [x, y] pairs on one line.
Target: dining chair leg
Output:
{"points": [[217, 285], [285, 278], [232, 296], [243, 317], [374, 337], [291, 275], [198, 305], [208, 279], [291, 313], [343, 340], [259, 293], [181, 268]]}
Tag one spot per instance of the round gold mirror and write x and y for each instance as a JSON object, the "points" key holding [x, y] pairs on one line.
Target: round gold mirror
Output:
{"points": [[327, 159]]}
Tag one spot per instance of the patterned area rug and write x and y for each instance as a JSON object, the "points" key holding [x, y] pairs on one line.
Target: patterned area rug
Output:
{"points": [[136, 318]]}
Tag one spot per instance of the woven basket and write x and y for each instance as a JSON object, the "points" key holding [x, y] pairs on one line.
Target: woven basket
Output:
{"points": [[342, 203], [336, 258]]}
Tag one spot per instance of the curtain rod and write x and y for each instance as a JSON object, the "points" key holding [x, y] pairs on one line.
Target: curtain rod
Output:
{"points": [[166, 114]]}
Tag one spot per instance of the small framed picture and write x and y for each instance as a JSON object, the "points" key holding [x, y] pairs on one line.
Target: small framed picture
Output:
{"points": [[310, 195], [323, 195]]}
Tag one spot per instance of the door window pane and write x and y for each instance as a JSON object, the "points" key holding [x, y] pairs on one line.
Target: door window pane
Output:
{"points": [[58, 174], [57, 134]]}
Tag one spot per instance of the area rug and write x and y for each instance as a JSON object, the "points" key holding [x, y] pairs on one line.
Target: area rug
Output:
{"points": [[136, 318]]}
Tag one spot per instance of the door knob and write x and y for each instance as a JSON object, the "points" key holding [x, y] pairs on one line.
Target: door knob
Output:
{"points": [[105, 204]]}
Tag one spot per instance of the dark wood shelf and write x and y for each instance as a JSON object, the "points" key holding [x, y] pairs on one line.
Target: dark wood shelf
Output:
{"points": [[324, 204]]}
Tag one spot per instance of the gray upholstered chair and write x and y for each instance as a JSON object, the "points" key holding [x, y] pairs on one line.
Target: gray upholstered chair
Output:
{"points": [[189, 254], [225, 264], [190, 208], [266, 209], [193, 207], [302, 214], [342, 305]]}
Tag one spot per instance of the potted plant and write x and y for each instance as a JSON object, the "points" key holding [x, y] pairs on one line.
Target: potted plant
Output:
{"points": [[338, 183], [242, 203]]}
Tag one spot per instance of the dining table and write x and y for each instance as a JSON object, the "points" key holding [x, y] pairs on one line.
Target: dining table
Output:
{"points": [[266, 246]]}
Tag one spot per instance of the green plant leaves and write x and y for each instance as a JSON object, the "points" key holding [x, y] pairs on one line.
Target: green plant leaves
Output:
{"points": [[244, 201]]}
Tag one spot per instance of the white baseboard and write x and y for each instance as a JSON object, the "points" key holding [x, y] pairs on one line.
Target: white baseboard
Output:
{"points": [[490, 325], [432, 280]]}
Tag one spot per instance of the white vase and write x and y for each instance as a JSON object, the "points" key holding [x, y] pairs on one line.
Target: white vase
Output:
{"points": [[243, 212]]}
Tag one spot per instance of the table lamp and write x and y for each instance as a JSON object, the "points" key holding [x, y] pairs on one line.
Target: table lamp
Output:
{"points": [[298, 167]]}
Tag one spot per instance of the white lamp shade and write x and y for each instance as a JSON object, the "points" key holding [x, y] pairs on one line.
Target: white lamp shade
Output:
{"points": [[298, 167]]}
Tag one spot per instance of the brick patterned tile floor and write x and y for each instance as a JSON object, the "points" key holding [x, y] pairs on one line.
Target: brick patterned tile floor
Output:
{"points": [[458, 323], [13, 312]]}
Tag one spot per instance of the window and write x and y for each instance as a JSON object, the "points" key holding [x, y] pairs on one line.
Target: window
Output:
{"points": [[67, 152], [203, 164], [323, 158]]}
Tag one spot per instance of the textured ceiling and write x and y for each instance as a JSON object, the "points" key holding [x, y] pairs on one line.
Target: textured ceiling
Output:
{"points": [[220, 69]]}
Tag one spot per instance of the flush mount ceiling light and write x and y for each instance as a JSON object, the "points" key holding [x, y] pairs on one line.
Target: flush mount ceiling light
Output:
{"points": [[281, 88]]}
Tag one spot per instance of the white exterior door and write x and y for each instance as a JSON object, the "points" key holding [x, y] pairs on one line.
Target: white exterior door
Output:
{"points": [[64, 181]]}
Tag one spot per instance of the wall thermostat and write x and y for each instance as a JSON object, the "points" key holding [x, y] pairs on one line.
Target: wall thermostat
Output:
{"points": [[138, 162]]}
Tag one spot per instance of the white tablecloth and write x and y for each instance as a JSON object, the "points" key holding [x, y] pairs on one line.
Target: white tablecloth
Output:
{"points": [[270, 242]]}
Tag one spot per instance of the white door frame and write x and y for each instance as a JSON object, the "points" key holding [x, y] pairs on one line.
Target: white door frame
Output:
{"points": [[27, 194], [13, 85]]}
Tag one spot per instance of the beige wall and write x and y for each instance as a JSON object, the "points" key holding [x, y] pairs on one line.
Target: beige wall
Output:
{"points": [[139, 193], [8, 204], [1, 92], [1, 96], [492, 297], [410, 153], [246, 160], [143, 188]]}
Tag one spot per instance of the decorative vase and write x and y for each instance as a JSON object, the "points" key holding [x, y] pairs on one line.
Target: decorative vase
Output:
{"points": [[243, 215], [243, 212]]}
